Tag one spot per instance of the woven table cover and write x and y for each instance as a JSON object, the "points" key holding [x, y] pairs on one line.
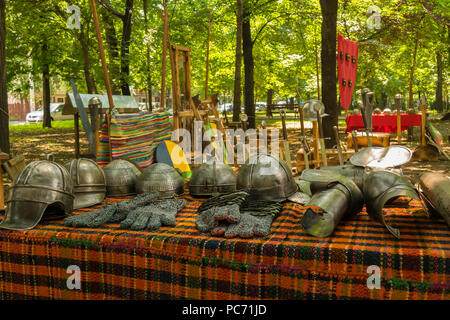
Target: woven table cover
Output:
{"points": [[133, 137], [180, 262]]}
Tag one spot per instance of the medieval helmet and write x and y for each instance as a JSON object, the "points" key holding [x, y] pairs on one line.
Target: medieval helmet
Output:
{"points": [[376, 111], [382, 186], [387, 111], [42, 190], [121, 176], [356, 112], [266, 177], [162, 178], [89, 182], [211, 179]]}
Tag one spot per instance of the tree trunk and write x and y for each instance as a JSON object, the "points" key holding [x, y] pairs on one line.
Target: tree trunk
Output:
{"points": [[4, 118], [249, 87], [439, 102], [113, 50], [90, 82], [47, 122], [411, 75], [238, 64], [149, 76], [269, 101], [328, 62], [125, 49]]}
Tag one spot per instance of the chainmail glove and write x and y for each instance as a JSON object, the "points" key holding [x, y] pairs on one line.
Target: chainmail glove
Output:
{"points": [[111, 213], [249, 226], [209, 219], [154, 215]]}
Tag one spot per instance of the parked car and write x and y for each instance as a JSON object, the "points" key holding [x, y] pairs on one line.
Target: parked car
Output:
{"points": [[228, 107], [55, 114], [260, 106]]}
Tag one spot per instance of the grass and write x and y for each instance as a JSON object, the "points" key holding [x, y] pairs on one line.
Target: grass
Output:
{"points": [[37, 129]]}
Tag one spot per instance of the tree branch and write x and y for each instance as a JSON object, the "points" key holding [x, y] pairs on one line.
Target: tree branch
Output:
{"points": [[265, 24], [114, 11]]}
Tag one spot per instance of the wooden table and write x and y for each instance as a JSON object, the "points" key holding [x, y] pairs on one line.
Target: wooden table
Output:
{"points": [[3, 156]]}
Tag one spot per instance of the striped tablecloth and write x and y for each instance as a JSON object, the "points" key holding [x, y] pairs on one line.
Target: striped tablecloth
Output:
{"points": [[134, 137], [179, 262]]}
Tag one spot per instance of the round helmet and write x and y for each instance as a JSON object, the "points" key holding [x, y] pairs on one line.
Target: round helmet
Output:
{"points": [[89, 182], [387, 111], [43, 189], [376, 111], [356, 112], [121, 176], [266, 177], [162, 178], [211, 179]]}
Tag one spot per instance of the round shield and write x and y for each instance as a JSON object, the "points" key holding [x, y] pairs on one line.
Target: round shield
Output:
{"points": [[382, 158]]}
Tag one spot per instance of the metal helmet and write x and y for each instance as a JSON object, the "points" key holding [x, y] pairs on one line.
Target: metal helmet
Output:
{"points": [[387, 111], [311, 107], [43, 189], [211, 179], [162, 178], [376, 111], [382, 186], [266, 177], [121, 176], [356, 112], [89, 182]]}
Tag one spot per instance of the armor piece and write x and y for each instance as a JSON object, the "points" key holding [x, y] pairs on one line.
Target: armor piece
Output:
{"points": [[356, 112], [121, 176], [382, 158], [435, 189], [354, 173], [42, 190], [89, 182], [211, 179], [266, 177], [310, 107], [387, 111], [377, 111], [337, 196], [162, 178], [382, 186]]}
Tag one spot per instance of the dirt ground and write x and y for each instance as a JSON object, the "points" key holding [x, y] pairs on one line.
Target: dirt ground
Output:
{"points": [[61, 145]]}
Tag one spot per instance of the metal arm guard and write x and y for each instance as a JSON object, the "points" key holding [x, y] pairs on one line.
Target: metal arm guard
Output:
{"points": [[435, 189], [382, 186], [337, 196]]}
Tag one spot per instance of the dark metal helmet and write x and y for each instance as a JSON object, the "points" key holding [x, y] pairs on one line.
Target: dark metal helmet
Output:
{"points": [[121, 176], [382, 186], [266, 177], [211, 179], [42, 190], [89, 182], [162, 178]]}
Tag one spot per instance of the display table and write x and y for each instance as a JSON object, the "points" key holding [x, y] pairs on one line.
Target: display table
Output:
{"points": [[382, 122], [179, 262]]}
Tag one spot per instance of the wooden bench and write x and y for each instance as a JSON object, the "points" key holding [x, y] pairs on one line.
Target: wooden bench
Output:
{"points": [[294, 107]]}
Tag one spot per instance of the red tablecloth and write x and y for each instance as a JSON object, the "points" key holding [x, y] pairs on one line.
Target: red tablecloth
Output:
{"points": [[382, 122]]}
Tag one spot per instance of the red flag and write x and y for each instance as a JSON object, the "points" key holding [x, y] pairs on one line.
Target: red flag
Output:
{"points": [[347, 68]]}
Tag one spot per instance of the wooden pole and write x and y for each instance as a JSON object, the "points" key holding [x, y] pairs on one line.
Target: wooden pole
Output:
{"points": [[164, 54], [105, 72]]}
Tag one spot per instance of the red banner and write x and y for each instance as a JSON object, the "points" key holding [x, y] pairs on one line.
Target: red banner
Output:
{"points": [[347, 67]]}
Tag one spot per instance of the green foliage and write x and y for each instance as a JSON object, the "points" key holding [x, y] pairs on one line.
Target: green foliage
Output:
{"points": [[285, 33]]}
